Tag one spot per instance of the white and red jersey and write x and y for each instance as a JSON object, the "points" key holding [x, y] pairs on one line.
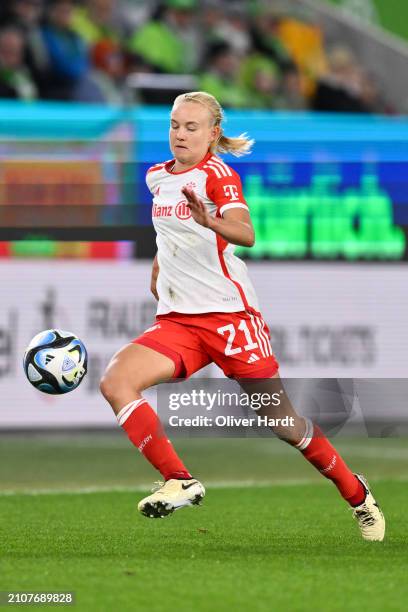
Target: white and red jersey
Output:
{"points": [[198, 271]]}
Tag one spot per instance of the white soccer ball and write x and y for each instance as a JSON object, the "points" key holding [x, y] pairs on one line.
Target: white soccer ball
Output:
{"points": [[55, 361]]}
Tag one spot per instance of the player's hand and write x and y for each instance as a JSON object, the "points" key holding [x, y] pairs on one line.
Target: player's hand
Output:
{"points": [[198, 209]]}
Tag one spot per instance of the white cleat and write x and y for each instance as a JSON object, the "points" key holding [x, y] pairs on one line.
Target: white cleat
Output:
{"points": [[369, 516], [170, 496]]}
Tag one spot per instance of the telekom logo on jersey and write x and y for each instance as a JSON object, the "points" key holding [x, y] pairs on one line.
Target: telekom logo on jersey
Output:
{"points": [[231, 192], [182, 211]]}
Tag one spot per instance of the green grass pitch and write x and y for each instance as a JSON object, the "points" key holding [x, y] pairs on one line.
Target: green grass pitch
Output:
{"points": [[271, 535]]}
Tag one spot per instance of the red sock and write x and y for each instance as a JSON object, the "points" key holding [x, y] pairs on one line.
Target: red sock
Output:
{"points": [[317, 449], [146, 432]]}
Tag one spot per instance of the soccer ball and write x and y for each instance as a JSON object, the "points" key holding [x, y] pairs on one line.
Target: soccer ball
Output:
{"points": [[55, 361]]}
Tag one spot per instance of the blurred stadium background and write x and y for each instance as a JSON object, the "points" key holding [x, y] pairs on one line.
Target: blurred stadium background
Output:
{"points": [[84, 95]]}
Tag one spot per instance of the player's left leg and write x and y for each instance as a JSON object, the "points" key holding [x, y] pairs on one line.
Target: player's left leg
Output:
{"points": [[309, 439]]}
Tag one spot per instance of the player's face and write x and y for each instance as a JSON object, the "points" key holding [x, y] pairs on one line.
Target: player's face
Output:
{"points": [[191, 132]]}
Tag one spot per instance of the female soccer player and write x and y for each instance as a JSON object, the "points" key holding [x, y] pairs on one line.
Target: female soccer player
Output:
{"points": [[208, 312]]}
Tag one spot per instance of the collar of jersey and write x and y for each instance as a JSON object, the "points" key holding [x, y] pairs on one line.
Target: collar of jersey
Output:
{"points": [[170, 163]]}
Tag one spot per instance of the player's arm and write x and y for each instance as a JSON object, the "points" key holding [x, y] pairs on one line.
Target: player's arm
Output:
{"points": [[155, 274], [235, 225]]}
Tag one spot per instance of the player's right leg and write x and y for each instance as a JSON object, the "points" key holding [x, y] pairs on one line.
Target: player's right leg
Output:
{"points": [[132, 370]]}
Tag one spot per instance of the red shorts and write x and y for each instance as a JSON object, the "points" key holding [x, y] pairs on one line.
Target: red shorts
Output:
{"points": [[238, 342]]}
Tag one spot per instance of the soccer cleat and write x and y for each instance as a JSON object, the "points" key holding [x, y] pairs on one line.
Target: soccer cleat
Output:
{"points": [[369, 516], [170, 496]]}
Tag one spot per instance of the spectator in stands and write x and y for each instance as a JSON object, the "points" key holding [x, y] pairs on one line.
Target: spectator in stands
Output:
{"points": [[304, 40], [133, 13], [340, 89], [97, 20], [222, 78], [107, 74], [230, 27], [170, 41], [15, 79], [372, 96], [67, 53], [265, 38], [211, 18], [261, 78], [292, 97], [26, 15]]}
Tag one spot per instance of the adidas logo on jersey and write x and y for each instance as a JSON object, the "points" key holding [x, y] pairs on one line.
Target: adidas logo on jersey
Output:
{"points": [[253, 358]]}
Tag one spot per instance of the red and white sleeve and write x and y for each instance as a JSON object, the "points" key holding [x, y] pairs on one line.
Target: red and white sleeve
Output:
{"points": [[226, 191]]}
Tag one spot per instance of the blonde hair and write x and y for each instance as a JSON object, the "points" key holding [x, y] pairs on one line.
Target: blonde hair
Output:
{"points": [[237, 145]]}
